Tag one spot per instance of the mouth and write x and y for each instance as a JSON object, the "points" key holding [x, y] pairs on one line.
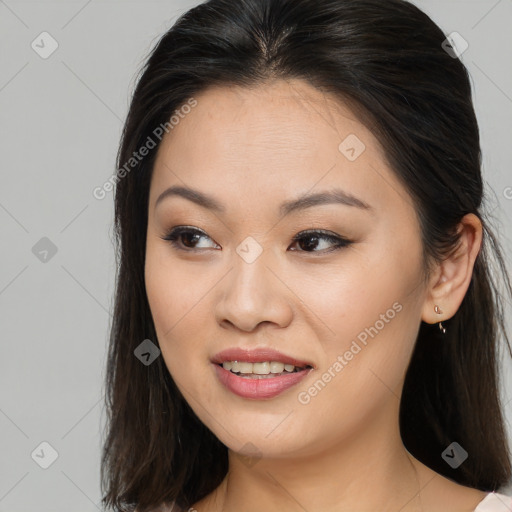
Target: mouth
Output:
{"points": [[259, 373]]}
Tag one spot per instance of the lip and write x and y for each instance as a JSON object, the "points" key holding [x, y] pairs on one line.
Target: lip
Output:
{"points": [[257, 355], [258, 389]]}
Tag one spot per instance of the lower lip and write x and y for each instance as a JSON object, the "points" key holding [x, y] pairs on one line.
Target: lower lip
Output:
{"points": [[258, 388]]}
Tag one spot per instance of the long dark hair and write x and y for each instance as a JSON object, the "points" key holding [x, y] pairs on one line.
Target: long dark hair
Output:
{"points": [[386, 59]]}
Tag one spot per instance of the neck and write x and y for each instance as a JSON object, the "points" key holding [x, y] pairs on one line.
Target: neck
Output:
{"points": [[370, 470]]}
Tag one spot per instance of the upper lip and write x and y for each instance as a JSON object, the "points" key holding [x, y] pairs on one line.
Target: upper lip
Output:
{"points": [[257, 355]]}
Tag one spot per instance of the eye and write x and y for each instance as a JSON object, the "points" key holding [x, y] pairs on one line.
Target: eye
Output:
{"points": [[186, 238], [310, 241]]}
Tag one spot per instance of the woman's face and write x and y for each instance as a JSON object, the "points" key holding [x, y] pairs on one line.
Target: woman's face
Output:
{"points": [[348, 312]]}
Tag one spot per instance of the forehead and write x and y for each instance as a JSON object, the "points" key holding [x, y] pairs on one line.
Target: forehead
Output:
{"points": [[269, 118], [278, 139]]}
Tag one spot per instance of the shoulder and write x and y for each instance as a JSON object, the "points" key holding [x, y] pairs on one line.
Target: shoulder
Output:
{"points": [[440, 493], [495, 502]]}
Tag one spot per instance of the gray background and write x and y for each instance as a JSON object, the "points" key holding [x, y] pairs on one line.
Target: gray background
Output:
{"points": [[60, 123]]}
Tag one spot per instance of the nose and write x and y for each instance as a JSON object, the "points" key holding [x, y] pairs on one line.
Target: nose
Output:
{"points": [[253, 294]]}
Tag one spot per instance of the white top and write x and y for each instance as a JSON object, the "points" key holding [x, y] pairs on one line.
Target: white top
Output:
{"points": [[495, 502]]}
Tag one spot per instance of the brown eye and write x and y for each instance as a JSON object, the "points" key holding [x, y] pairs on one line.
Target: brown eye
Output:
{"points": [[189, 239], [309, 241], [186, 238]]}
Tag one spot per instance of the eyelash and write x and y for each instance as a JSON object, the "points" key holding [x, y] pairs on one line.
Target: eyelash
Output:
{"points": [[339, 242]]}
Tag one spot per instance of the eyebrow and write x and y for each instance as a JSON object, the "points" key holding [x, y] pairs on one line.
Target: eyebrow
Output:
{"points": [[333, 196]]}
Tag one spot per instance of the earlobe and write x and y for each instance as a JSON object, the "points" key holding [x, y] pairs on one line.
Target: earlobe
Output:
{"points": [[453, 276]]}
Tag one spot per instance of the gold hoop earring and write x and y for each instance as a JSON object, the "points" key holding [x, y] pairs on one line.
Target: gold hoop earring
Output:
{"points": [[438, 310]]}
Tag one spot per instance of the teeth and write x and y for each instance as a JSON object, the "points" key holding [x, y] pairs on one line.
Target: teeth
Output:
{"points": [[276, 367], [263, 368], [245, 367]]}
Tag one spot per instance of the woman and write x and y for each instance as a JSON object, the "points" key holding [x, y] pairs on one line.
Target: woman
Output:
{"points": [[305, 315]]}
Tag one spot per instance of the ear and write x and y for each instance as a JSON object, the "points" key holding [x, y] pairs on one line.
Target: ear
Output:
{"points": [[450, 280]]}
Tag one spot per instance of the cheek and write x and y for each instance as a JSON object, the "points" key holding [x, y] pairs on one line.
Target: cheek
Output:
{"points": [[169, 297], [364, 366], [173, 288], [372, 313], [179, 301], [347, 299]]}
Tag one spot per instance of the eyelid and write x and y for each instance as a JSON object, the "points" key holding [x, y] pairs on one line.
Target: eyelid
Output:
{"points": [[314, 231]]}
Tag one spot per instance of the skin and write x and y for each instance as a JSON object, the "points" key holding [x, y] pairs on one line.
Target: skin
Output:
{"points": [[252, 149]]}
